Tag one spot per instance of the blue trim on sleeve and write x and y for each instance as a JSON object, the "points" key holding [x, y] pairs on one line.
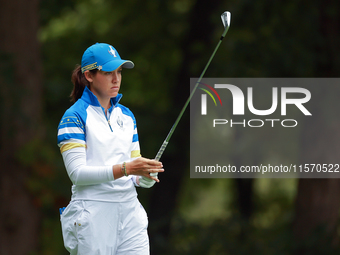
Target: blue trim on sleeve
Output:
{"points": [[135, 138], [68, 136], [71, 121], [74, 117]]}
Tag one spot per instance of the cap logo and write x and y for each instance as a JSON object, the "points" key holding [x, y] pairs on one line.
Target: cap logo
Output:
{"points": [[112, 51]]}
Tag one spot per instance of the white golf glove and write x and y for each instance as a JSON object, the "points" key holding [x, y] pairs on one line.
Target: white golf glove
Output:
{"points": [[145, 182]]}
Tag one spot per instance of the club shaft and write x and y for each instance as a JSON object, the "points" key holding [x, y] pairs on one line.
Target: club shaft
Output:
{"points": [[167, 139]]}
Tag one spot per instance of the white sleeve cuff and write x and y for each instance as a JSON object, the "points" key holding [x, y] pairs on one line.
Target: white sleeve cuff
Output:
{"points": [[134, 179]]}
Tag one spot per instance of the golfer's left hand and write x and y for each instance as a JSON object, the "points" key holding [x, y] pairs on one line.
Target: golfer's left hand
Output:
{"points": [[146, 182]]}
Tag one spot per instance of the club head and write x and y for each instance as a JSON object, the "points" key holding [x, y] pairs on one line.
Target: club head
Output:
{"points": [[226, 16]]}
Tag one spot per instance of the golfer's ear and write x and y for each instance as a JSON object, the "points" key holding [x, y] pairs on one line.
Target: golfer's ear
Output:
{"points": [[88, 76]]}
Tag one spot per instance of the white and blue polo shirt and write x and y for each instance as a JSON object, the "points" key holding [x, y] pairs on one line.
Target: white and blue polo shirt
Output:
{"points": [[109, 140]]}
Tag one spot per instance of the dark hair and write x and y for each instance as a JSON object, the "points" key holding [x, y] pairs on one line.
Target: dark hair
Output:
{"points": [[79, 83]]}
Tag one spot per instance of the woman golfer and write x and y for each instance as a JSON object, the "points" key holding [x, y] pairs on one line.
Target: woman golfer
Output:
{"points": [[99, 143]]}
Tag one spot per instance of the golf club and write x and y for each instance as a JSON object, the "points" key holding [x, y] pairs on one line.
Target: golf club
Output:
{"points": [[226, 16]]}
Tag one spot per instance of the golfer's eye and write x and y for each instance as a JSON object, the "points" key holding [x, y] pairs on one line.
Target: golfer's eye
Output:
{"points": [[107, 73]]}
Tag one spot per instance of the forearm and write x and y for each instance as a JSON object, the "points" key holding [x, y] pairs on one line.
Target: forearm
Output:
{"points": [[82, 174]]}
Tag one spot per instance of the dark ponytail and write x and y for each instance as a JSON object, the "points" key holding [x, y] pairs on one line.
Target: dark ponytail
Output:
{"points": [[79, 83]]}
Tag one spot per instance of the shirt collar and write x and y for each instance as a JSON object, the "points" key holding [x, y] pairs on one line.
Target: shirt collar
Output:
{"points": [[91, 99]]}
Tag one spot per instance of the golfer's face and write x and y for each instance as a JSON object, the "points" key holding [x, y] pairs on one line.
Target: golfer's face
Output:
{"points": [[106, 84]]}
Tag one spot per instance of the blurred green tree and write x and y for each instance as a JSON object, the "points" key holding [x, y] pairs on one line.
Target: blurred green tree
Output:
{"points": [[21, 124], [318, 200]]}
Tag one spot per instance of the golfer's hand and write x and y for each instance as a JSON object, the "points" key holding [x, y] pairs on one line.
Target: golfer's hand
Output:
{"points": [[145, 167], [146, 182]]}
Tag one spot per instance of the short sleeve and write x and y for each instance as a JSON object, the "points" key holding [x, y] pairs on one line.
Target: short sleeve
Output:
{"points": [[71, 131]]}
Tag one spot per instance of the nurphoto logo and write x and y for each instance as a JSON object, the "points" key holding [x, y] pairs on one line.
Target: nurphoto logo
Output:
{"points": [[238, 106]]}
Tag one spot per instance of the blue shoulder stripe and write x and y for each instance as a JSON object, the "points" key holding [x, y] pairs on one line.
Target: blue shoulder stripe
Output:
{"points": [[71, 121], [72, 125]]}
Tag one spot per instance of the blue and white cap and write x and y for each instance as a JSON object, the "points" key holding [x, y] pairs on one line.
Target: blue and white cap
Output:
{"points": [[103, 56]]}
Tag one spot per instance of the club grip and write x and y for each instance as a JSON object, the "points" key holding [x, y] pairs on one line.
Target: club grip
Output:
{"points": [[161, 150]]}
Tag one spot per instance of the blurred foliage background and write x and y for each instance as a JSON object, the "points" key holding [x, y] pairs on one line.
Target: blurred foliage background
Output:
{"points": [[169, 42]]}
